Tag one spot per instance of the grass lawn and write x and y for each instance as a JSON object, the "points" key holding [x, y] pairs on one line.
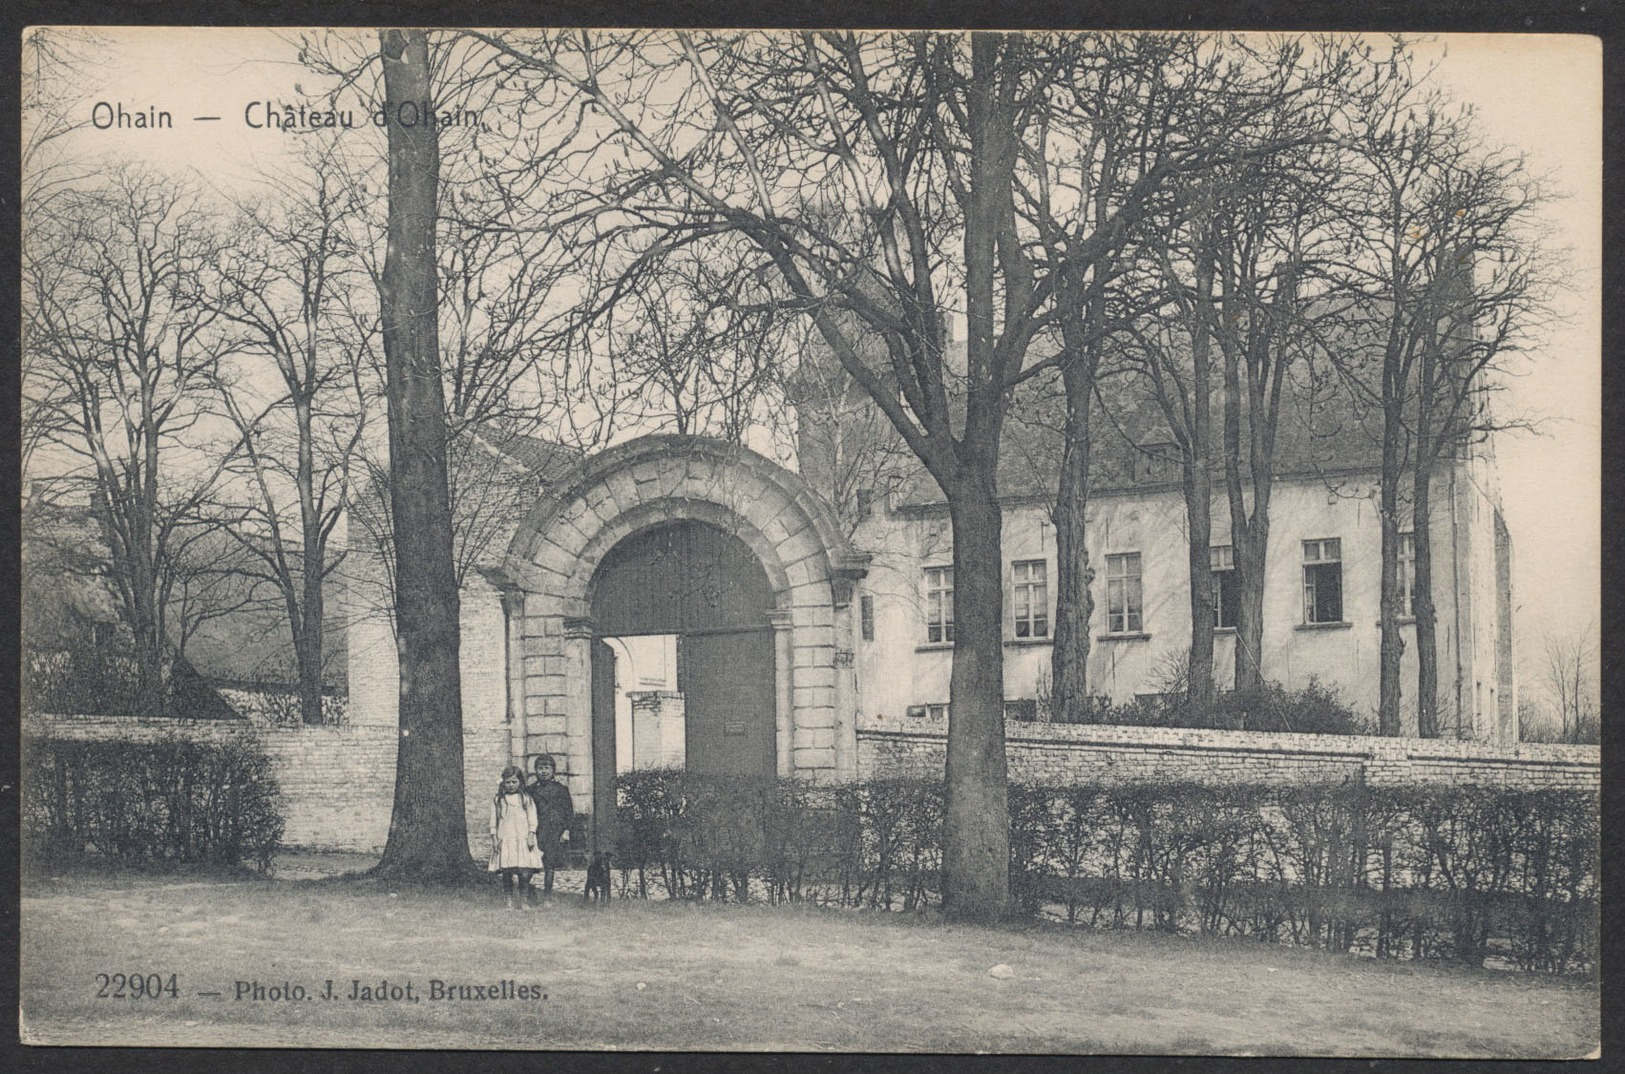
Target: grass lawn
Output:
{"points": [[679, 976]]}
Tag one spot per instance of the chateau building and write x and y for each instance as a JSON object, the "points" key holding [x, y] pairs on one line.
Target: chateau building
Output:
{"points": [[681, 599]]}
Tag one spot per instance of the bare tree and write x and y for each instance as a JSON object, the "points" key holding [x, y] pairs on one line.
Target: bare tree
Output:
{"points": [[283, 285], [125, 350], [56, 83], [58, 66], [515, 384], [1571, 680], [1159, 136], [1488, 295], [891, 182], [847, 449], [1445, 271], [1240, 287], [919, 137], [428, 831], [692, 331]]}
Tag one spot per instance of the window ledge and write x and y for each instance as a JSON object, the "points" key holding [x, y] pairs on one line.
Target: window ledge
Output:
{"points": [[1123, 637], [934, 647], [1029, 641], [1224, 630], [1404, 620], [1324, 626]]}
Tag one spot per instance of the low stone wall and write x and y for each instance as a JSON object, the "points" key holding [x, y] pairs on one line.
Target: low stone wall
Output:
{"points": [[1062, 753], [336, 784]]}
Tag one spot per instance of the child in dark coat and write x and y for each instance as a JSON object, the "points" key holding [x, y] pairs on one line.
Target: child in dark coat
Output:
{"points": [[554, 814]]}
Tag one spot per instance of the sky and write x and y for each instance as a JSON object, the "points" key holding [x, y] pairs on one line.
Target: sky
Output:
{"points": [[1539, 93]]}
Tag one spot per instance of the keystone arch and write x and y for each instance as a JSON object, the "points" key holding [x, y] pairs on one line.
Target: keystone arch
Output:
{"points": [[792, 531]]}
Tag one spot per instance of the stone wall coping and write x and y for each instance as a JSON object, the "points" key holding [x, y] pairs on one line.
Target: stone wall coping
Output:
{"points": [[1208, 740], [44, 722]]}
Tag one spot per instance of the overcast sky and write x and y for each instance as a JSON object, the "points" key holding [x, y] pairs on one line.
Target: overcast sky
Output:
{"points": [[1541, 94]]}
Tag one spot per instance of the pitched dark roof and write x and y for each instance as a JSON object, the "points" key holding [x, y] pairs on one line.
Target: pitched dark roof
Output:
{"points": [[1132, 448], [546, 459]]}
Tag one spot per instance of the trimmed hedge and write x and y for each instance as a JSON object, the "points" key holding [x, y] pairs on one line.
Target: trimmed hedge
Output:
{"points": [[168, 800], [1458, 874]]}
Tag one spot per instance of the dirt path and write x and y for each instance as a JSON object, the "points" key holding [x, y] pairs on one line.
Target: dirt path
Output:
{"points": [[680, 976]]}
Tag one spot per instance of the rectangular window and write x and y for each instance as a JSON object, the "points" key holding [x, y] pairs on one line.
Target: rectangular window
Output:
{"points": [[939, 605], [1226, 591], [1124, 600], [1407, 575], [1025, 708], [1323, 581], [1157, 463], [866, 503], [1029, 598], [866, 616]]}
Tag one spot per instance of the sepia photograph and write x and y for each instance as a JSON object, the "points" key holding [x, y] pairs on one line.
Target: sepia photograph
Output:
{"points": [[855, 541]]}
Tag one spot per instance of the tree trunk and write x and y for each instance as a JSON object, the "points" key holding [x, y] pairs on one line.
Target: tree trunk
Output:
{"points": [[1427, 642], [135, 547], [308, 633], [1198, 488], [1249, 544], [308, 651], [1391, 644], [1197, 485], [428, 833], [976, 826], [1074, 602]]}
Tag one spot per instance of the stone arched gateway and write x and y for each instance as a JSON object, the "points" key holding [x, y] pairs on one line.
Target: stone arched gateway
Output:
{"points": [[553, 564]]}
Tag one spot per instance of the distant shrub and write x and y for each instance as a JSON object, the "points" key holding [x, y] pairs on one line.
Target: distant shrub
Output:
{"points": [[82, 681], [171, 800], [1315, 709]]}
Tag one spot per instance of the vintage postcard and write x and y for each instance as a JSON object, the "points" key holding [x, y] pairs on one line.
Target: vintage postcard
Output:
{"points": [[1074, 542]]}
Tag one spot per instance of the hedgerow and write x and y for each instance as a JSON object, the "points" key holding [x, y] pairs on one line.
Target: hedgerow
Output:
{"points": [[1448, 873], [169, 800]]}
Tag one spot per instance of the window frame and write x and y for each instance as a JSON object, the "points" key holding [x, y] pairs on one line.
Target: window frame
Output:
{"points": [[1407, 574], [1224, 582], [1130, 620], [1033, 592], [1318, 565], [939, 605]]}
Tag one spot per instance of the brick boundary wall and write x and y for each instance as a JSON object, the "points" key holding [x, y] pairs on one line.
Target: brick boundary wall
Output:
{"points": [[1063, 753], [336, 784]]}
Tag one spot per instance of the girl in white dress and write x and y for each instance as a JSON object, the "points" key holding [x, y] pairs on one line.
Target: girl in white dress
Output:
{"points": [[513, 838]]}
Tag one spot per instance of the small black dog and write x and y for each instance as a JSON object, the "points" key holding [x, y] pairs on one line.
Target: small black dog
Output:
{"points": [[597, 878]]}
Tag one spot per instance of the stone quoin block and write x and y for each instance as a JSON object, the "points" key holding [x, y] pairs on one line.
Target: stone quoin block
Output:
{"points": [[815, 716], [808, 698], [813, 738], [811, 760], [810, 656]]}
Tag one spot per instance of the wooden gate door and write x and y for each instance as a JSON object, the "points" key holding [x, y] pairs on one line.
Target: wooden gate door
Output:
{"points": [[603, 746], [705, 586], [728, 702]]}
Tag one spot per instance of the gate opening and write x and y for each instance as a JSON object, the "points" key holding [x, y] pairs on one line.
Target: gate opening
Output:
{"points": [[683, 663]]}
